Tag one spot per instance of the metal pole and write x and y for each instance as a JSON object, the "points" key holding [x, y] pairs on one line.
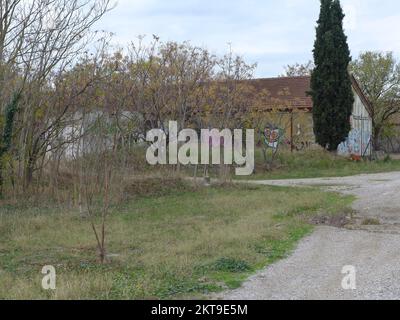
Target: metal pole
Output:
{"points": [[291, 131]]}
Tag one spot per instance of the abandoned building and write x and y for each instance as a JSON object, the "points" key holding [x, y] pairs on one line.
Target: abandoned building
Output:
{"points": [[289, 109]]}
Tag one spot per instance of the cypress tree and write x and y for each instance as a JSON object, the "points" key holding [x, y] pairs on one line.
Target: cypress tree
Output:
{"points": [[331, 88]]}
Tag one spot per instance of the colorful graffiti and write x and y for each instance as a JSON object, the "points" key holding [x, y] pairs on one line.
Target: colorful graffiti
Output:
{"points": [[272, 137], [357, 144]]}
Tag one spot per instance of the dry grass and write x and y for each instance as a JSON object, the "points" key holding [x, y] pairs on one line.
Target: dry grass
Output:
{"points": [[318, 164], [181, 244], [371, 222]]}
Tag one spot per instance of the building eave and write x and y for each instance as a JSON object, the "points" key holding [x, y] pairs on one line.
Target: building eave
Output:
{"points": [[363, 97]]}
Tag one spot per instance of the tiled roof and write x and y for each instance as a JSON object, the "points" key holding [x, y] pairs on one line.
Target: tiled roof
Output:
{"points": [[290, 91]]}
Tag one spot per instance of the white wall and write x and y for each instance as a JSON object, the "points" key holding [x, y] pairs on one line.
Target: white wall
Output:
{"points": [[360, 138]]}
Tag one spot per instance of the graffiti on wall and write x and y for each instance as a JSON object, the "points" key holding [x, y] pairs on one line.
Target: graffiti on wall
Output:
{"points": [[272, 137], [356, 144], [352, 145]]}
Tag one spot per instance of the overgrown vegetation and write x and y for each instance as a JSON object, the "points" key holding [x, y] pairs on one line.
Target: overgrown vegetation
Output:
{"points": [[318, 164], [78, 192], [6, 137], [379, 76], [175, 245]]}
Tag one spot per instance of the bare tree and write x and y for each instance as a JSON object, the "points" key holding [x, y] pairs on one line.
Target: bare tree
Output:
{"points": [[299, 69], [379, 76], [97, 176], [228, 98], [51, 34]]}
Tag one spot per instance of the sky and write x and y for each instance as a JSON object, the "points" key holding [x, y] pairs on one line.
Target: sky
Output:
{"points": [[271, 33]]}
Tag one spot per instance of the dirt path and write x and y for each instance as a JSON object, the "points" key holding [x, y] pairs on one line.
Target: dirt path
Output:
{"points": [[314, 270]]}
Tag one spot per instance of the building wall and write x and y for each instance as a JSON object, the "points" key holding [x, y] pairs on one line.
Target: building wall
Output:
{"points": [[358, 143], [302, 133]]}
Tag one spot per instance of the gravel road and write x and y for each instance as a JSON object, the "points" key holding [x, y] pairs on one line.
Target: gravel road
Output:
{"points": [[314, 270]]}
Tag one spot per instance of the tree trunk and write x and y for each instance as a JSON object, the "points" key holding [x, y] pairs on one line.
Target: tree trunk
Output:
{"points": [[376, 138], [1, 179], [28, 174]]}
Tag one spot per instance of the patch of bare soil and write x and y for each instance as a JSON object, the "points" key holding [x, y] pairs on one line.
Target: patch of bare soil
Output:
{"points": [[338, 221]]}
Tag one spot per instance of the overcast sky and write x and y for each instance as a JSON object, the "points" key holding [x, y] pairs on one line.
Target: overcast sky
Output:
{"points": [[272, 33]]}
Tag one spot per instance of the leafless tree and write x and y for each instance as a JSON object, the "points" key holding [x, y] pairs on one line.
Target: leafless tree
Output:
{"points": [[379, 76], [41, 39], [299, 69]]}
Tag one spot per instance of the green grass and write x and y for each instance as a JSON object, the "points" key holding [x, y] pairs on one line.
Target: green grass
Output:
{"points": [[181, 245], [318, 164]]}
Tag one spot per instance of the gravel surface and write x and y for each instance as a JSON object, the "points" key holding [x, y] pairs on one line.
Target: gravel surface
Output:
{"points": [[314, 270]]}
